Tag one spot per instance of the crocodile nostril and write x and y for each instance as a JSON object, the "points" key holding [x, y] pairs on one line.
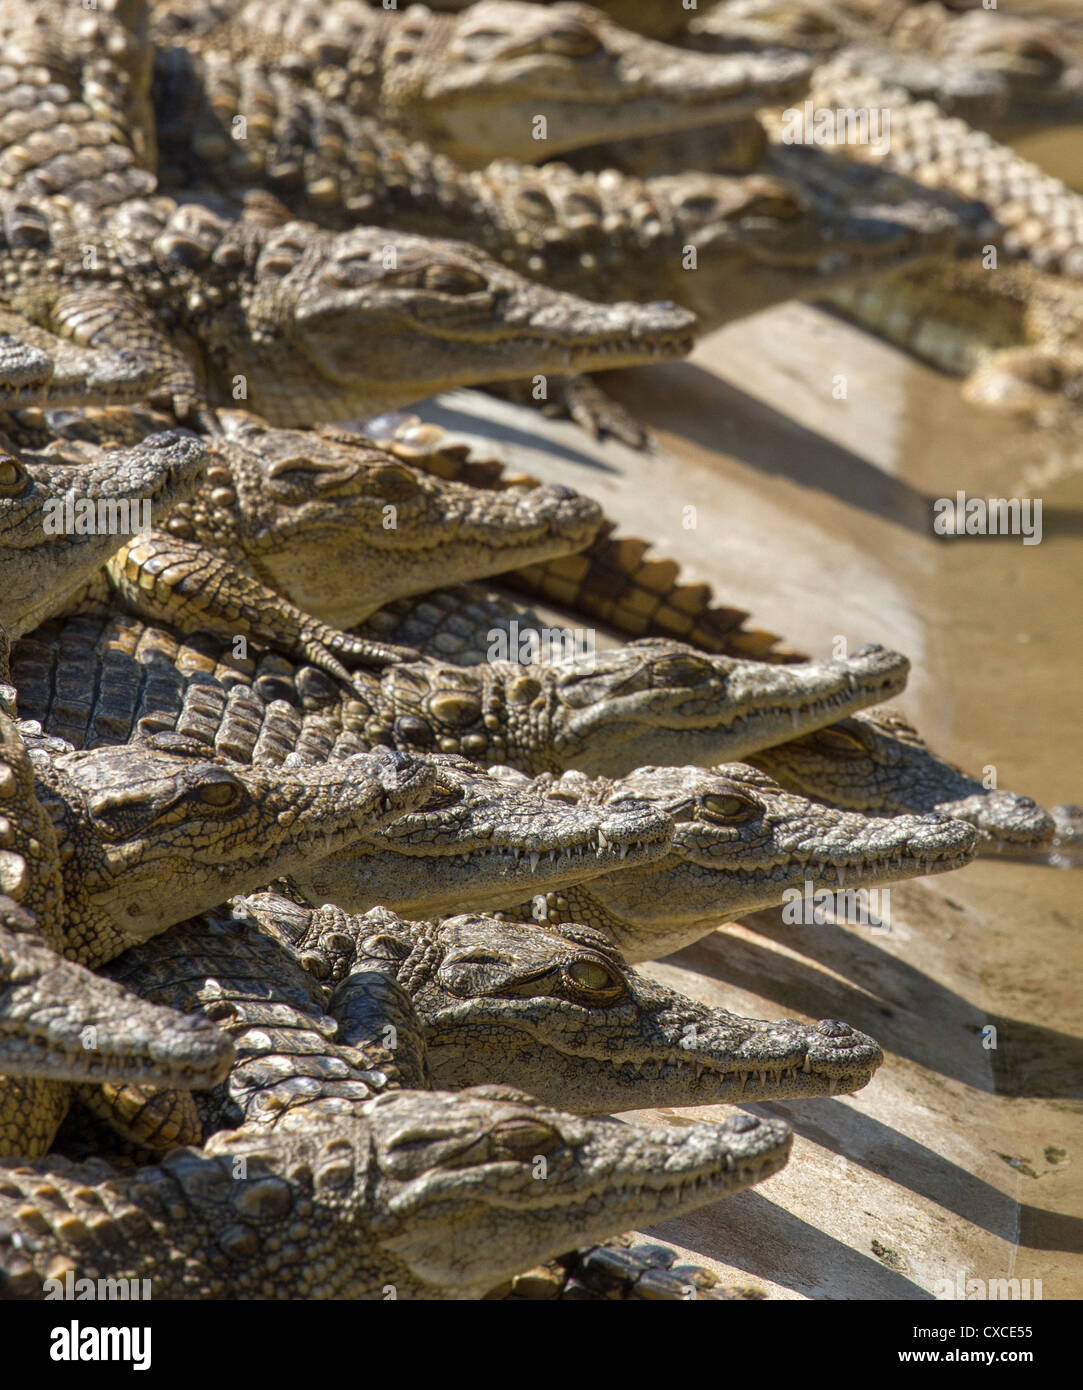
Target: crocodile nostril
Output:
{"points": [[869, 649], [559, 492], [741, 1124], [832, 1028]]}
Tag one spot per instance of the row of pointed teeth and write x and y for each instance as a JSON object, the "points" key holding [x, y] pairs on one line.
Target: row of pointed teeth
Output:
{"points": [[652, 347], [656, 1069], [556, 856]]}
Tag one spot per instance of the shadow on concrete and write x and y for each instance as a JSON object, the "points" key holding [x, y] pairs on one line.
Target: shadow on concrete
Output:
{"points": [[768, 440], [752, 1234], [908, 1011]]}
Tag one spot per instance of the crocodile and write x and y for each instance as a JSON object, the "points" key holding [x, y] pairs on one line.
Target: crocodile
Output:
{"points": [[877, 763], [473, 85], [757, 239], [741, 842], [60, 515], [150, 834], [604, 713], [302, 324], [293, 509], [481, 841], [60, 1022], [1014, 333], [899, 770], [1035, 216], [144, 836], [278, 511], [388, 1168], [554, 1010], [427, 1194], [1008, 73], [38, 369]]}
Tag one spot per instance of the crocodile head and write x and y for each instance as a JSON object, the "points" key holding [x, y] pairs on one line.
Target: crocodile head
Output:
{"points": [[816, 224], [877, 763], [152, 833], [464, 1188], [351, 324], [481, 841], [664, 701], [557, 1011], [323, 504], [66, 509], [1030, 61], [479, 81], [741, 842]]}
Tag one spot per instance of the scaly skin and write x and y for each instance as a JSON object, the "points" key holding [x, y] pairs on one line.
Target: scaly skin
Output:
{"points": [[472, 85], [475, 840], [436, 1194], [281, 510], [606, 713], [39, 369], [481, 841], [332, 523], [601, 714], [741, 842], [41, 572], [877, 763], [58, 1021], [312, 325], [87, 129], [556, 1010], [758, 239], [1034, 215], [151, 834], [1015, 333], [1007, 72], [620, 1271]]}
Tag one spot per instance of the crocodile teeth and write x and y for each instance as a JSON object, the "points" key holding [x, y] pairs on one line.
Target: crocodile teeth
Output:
{"points": [[533, 860], [842, 875], [808, 1064], [623, 851]]}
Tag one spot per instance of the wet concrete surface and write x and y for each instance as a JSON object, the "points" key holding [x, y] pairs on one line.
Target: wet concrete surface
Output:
{"points": [[812, 510]]}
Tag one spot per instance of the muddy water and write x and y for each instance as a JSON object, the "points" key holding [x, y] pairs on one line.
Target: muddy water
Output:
{"points": [[796, 466]]}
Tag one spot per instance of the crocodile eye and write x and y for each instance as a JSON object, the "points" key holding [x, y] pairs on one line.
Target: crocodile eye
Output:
{"points": [[523, 1139], [393, 480], [571, 42], [674, 671], [841, 744], [442, 797], [219, 794], [452, 279], [592, 976], [728, 807], [13, 476]]}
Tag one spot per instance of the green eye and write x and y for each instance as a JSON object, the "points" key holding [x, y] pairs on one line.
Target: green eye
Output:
{"points": [[219, 794], [13, 476], [592, 976], [731, 808], [839, 742]]}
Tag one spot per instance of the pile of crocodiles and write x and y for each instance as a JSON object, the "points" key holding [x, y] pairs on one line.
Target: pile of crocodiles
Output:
{"points": [[318, 924]]}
